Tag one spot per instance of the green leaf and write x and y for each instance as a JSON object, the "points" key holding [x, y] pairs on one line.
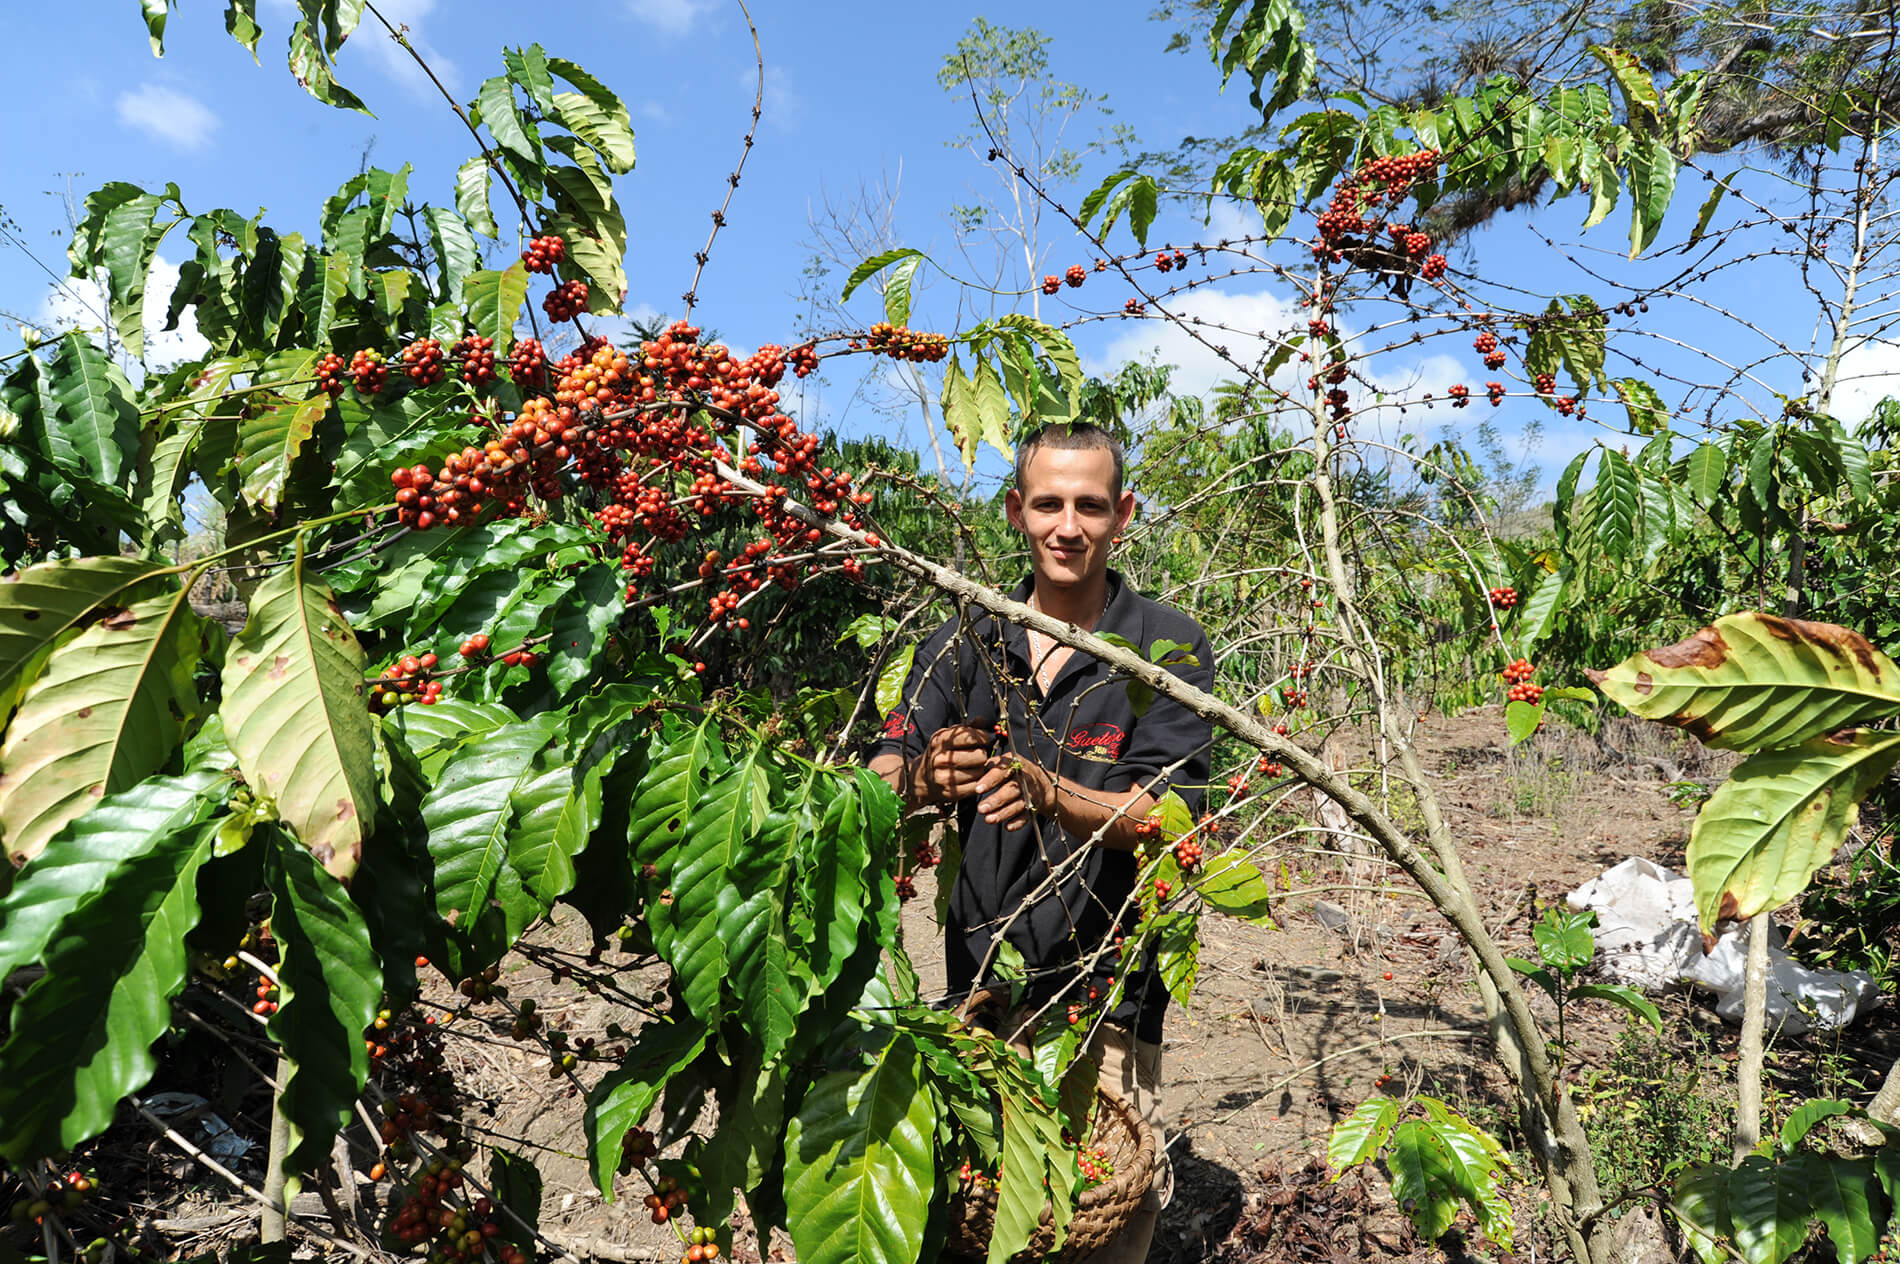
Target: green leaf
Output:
{"points": [[890, 685], [870, 267], [1768, 1213], [992, 412], [1235, 886], [1781, 815], [468, 813], [1639, 90], [1360, 1136], [1539, 611], [1700, 1202], [91, 425], [624, 1095], [580, 626], [1617, 994], [725, 821], [1751, 681], [332, 985], [1177, 951], [897, 292], [39, 603], [1805, 1116], [513, 132], [104, 713], [1647, 413], [240, 22], [1098, 197], [1840, 1195], [1037, 1172], [1618, 503], [295, 715], [1706, 473], [764, 980], [1476, 1163], [556, 811], [1422, 1179], [155, 13], [80, 1038], [494, 302], [267, 288], [1564, 940], [90, 852], [1652, 171], [1566, 495], [1522, 718], [457, 259], [269, 443], [1707, 213], [860, 1164], [596, 115], [676, 776], [517, 1185], [471, 196]]}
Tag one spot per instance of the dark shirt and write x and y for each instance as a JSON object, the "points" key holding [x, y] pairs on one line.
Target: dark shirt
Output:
{"points": [[1086, 731]]}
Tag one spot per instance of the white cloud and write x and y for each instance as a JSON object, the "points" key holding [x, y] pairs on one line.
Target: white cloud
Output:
{"points": [[82, 304], [169, 115], [1869, 372], [670, 17]]}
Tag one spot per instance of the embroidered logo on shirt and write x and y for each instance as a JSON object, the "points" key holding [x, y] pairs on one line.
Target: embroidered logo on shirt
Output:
{"points": [[897, 724], [1101, 742]]}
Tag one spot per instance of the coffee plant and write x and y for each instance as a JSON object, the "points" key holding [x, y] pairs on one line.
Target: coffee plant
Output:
{"points": [[507, 583]]}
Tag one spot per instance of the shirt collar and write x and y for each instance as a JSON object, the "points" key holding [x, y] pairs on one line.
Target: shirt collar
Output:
{"points": [[1121, 616]]}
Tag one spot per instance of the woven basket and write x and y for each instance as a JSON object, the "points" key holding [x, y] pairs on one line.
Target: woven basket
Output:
{"points": [[1101, 1212]]}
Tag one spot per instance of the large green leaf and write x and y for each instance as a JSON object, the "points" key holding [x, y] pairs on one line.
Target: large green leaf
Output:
{"points": [[284, 420], [104, 713], [1841, 1195], [1652, 174], [494, 303], [1235, 886], [725, 821], [91, 424], [625, 1094], [675, 777], [295, 715], [457, 257], [869, 268], [40, 602], [495, 106], [1780, 816], [1037, 1173], [582, 616], [1768, 1213], [1705, 472], [1361, 1135], [81, 1036], [595, 115], [471, 196], [832, 860], [1753, 681], [332, 985], [764, 978], [1423, 1181], [860, 1163], [88, 854], [556, 811], [469, 812]]}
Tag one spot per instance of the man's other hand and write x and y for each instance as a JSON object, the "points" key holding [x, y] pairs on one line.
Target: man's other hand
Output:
{"points": [[1014, 790]]}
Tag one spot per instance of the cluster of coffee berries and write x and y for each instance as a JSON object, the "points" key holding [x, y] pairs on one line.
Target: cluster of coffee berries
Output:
{"points": [[702, 1245], [369, 372], [906, 887], [1237, 784], [333, 374], [1567, 405], [422, 361], [543, 253], [1051, 283], [267, 994], [666, 1200], [477, 355], [1380, 183], [1546, 383], [803, 360], [901, 343], [1165, 262], [1296, 699], [1187, 853], [565, 301], [457, 1231], [484, 986], [423, 1097], [1519, 671], [1494, 391], [474, 647], [407, 680], [1075, 275], [975, 1177], [1525, 692], [1503, 597], [1460, 395], [1518, 676], [528, 365], [1432, 268], [1267, 767], [1163, 888], [1095, 1165], [1485, 343], [69, 1193], [521, 658]]}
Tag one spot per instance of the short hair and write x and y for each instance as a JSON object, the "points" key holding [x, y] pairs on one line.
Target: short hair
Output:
{"points": [[1070, 436]]}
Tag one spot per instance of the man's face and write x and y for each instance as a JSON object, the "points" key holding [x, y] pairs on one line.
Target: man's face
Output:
{"points": [[1068, 509]]}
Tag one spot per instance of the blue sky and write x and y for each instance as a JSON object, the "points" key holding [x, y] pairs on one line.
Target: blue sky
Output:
{"points": [[851, 101]]}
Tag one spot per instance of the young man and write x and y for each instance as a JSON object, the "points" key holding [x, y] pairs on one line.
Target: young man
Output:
{"points": [[1051, 769]]}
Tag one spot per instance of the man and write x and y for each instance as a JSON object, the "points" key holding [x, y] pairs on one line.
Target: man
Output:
{"points": [[1052, 771]]}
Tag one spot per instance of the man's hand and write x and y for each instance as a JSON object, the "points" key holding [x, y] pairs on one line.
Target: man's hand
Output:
{"points": [[952, 763], [1016, 789]]}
